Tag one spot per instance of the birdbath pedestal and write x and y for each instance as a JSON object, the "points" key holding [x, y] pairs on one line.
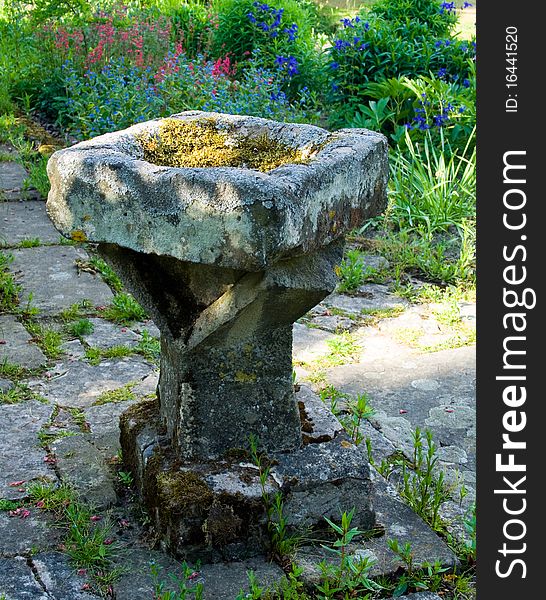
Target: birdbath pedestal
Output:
{"points": [[225, 256]]}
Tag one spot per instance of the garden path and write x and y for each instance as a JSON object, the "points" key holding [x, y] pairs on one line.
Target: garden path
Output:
{"points": [[59, 416]]}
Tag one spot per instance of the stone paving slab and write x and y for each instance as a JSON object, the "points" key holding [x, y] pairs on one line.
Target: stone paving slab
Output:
{"points": [[399, 523], [83, 468], [26, 220], [372, 296], [25, 535], [12, 176], [309, 343], [222, 581], [17, 346], [78, 384], [21, 458], [440, 396], [50, 274], [60, 579], [17, 582], [106, 335], [104, 424]]}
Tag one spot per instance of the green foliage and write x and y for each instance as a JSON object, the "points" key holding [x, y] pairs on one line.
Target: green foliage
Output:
{"points": [[9, 290], [9, 504], [124, 310], [428, 577], [108, 274], [185, 589], [121, 394], [349, 575], [421, 488], [80, 327], [425, 12], [260, 32], [432, 188], [343, 348], [46, 338]]}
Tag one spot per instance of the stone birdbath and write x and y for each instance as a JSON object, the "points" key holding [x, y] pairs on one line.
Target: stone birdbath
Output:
{"points": [[227, 229]]}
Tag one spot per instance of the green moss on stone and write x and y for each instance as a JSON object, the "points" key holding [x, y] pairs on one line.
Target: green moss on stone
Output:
{"points": [[201, 143], [183, 490]]}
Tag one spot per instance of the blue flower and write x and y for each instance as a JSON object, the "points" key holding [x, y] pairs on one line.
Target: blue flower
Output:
{"points": [[334, 65], [347, 22], [467, 4], [442, 73], [466, 83]]}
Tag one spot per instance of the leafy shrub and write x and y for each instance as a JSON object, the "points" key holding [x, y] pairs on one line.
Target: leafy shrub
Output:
{"points": [[281, 33], [373, 50], [438, 17]]}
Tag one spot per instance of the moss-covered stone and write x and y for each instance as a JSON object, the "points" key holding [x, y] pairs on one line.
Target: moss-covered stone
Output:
{"points": [[183, 490], [201, 144]]}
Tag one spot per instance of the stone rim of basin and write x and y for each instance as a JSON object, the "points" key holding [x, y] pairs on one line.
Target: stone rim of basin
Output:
{"points": [[103, 191]]}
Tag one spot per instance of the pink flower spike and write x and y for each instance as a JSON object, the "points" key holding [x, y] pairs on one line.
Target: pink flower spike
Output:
{"points": [[40, 504], [3, 342], [108, 541], [16, 483], [402, 411], [85, 587], [82, 572], [194, 575], [449, 410], [95, 518]]}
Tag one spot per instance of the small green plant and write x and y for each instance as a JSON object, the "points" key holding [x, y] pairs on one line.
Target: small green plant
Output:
{"points": [[107, 273], [47, 339], [149, 347], [9, 504], [80, 327], [121, 394], [428, 577], [9, 290], [77, 311], [185, 589], [18, 393], [283, 542], [348, 577], [29, 243], [126, 478], [125, 310], [343, 348], [351, 271], [358, 409], [424, 491], [51, 496], [95, 355]]}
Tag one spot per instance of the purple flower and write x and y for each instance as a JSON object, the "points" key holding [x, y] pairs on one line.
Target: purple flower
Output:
{"points": [[467, 4], [334, 65], [442, 73], [347, 23]]}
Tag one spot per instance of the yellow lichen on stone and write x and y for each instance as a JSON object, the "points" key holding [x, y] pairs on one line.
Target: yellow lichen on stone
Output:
{"points": [[78, 235], [242, 377], [201, 143]]}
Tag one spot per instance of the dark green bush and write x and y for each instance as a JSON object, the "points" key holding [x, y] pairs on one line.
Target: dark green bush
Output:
{"points": [[438, 19]]}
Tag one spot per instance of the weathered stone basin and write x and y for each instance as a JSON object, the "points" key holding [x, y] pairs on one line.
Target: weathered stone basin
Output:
{"points": [[225, 259]]}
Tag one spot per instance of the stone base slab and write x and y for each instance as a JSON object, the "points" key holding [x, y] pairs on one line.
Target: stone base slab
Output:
{"points": [[215, 510]]}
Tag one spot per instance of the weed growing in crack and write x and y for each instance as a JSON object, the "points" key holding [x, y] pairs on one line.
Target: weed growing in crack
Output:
{"points": [[186, 586], [283, 543], [349, 575], [125, 310], [47, 339], [421, 489], [428, 577], [9, 290], [80, 328]]}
